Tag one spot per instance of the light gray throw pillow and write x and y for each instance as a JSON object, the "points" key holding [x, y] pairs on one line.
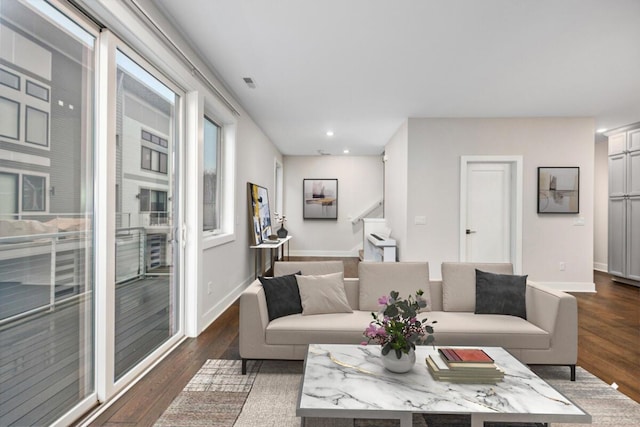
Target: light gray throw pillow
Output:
{"points": [[323, 294]]}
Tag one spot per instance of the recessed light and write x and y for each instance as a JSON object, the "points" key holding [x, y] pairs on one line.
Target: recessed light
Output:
{"points": [[601, 130], [346, 151], [329, 133]]}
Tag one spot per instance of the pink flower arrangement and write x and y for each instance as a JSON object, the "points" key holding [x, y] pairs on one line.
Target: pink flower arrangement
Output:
{"points": [[396, 326]]}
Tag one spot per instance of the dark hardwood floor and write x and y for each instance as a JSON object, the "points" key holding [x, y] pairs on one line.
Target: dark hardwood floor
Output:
{"points": [[609, 347]]}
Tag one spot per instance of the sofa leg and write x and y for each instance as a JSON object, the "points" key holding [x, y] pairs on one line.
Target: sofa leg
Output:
{"points": [[244, 366], [573, 372]]}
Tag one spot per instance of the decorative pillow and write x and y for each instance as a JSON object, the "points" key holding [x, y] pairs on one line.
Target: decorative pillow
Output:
{"points": [[323, 294], [500, 294], [459, 283], [282, 295]]}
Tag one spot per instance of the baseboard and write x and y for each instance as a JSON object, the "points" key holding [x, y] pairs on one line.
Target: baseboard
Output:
{"points": [[351, 253], [601, 266], [214, 312], [587, 287]]}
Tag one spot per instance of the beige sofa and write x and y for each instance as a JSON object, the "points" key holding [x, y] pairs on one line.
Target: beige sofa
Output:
{"points": [[547, 336]]}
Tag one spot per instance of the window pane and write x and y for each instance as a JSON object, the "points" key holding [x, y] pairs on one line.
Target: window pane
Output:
{"points": [[33, 198], [37, 126], [38, 91], [146, 285], [9, 79], [8, 195], [9, 118], [163, 163], [144, 200], [155, 161], [210, 175], [46, 307], [146, 158]]}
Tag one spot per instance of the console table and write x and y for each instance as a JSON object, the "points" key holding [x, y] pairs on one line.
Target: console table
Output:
{"points": [[279, 253]]}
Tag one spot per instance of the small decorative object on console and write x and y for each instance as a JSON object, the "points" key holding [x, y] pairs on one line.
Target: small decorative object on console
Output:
{"points": [[397, 327], [282, 232]]}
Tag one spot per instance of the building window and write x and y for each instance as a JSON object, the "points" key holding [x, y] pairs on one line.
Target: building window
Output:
{"points": [[37, 124], [9, 118], [211, 176], [9, 79], [154, 160], [37, 91], [33, 193]]}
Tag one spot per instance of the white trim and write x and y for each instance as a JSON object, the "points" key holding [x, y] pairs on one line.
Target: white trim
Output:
{"points": [[517, 162], [29, 159], [105, 172], [588, 287], [601, 266]]}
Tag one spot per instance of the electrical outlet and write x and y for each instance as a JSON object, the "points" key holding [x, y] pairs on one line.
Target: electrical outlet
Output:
{"points": [[209, 286], [562, 266]]}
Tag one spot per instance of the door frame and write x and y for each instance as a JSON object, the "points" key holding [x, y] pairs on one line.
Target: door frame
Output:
{"points": [[516, 163]]}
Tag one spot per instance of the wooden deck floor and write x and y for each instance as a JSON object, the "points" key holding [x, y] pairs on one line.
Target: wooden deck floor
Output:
{"points": [[42, 357], [609, 347]]}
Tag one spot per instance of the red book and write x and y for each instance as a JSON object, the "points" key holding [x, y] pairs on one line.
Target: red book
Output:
{"points": [[465, 355]]}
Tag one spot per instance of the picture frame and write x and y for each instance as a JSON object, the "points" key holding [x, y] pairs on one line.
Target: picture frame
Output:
{"points": [[558, 190], [320, 198], [259, 213]]}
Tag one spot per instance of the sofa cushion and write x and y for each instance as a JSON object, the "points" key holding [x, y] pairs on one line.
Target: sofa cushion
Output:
{"points": [[491, 330], [282, 295], [280, 268], [336, 328], [323, 294], [500, 294], [459, 283], [380, 278]]}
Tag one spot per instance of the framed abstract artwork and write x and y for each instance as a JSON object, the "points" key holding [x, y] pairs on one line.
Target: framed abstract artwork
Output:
{"points": [[259, 213], [320, 198], [558, 190]]}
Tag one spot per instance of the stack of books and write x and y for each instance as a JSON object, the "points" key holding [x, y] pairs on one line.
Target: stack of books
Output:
{"points": [[468, 365]]}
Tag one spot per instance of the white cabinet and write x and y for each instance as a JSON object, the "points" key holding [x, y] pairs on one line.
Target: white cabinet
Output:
{"points": [[624, 204]]}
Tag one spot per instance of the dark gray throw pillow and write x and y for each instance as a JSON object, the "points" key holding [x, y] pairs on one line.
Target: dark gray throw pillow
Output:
{"points": [[282, 294], [500, 294]]}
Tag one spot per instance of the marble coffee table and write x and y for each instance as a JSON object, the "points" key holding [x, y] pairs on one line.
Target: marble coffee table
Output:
{"points": [[349, 381]]}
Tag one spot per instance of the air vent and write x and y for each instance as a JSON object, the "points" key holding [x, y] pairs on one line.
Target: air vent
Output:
{"points": [[249, 81]]}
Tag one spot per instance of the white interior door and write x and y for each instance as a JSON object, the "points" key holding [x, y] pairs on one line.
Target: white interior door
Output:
{"points": [[488, 229], [490, 216]]}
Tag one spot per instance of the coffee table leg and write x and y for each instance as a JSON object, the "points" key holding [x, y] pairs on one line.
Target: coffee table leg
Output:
{"points": [[476, 421]]}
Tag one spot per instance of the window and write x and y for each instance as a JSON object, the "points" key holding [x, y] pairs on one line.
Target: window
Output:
{"points": [[38, 91], [154, 160], [211, 176], [37, 125], [9, 79], [33, 193], [154, 202], [9, 118]]}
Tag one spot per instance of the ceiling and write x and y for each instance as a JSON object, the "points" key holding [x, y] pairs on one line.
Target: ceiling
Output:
{"points": [[361, 67]]}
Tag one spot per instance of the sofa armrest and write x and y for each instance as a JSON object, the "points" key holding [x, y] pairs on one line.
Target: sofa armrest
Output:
{"points": [[254, 318], [557, 313]]}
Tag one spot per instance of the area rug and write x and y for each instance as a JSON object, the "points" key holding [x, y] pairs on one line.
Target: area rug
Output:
{"points": [[220, 396]]}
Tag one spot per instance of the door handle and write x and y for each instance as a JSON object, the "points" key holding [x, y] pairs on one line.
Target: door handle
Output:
{"points": [[470, 231]]}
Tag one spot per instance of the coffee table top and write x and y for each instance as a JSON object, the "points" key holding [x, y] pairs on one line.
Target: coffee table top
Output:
{"points": [[342, 379]]}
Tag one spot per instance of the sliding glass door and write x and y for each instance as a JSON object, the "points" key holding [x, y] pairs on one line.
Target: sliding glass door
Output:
{"points": [[47, 78], [146, 254]]}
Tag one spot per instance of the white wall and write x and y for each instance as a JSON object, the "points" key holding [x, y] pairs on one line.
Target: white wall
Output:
{"points": [[601, 206], [230, 267], [395, 186], [434, 150], [359, 188]]}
